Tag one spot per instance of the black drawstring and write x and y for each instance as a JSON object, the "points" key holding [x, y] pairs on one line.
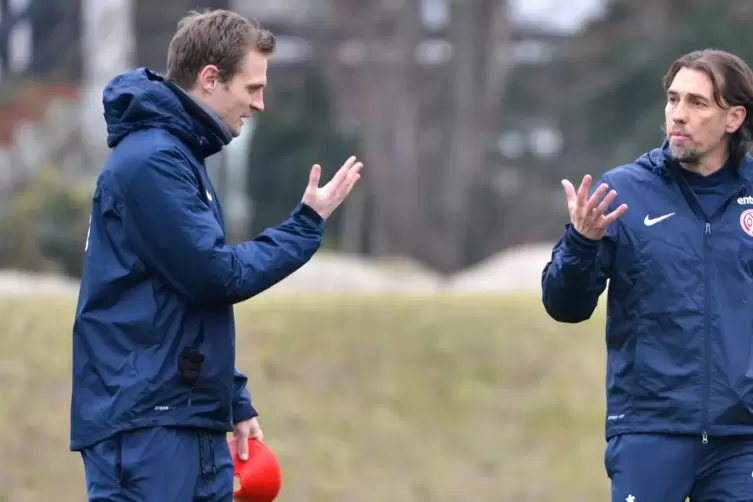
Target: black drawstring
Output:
{"points": [[211, 454], [201, 456]]}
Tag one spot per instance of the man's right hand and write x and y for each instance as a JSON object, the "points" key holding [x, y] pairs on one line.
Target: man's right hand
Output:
{"points": [[587, 214]]}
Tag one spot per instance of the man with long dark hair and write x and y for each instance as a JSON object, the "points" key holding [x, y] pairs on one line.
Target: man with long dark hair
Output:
{"points": [[679, 261]]}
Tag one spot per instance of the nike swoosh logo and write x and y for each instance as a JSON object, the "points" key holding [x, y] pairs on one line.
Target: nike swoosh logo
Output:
{"points": [[653, 221]]}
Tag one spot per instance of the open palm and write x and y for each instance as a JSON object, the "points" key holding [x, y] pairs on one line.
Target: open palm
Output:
{"points": [[324, 200]]}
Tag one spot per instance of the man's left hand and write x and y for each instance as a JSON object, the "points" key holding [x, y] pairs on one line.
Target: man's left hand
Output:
{"points": [[324, 200], [243, 431]]}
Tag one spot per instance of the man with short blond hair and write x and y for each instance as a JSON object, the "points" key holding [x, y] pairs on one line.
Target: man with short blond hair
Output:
{"points": [[155, 389], [220, 36]]}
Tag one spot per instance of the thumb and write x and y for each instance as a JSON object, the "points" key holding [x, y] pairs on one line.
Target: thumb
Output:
{"points": [[314, 176]]}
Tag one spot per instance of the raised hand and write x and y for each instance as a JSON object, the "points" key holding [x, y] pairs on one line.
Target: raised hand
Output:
{"points": [[587, 213], [324, 200]]}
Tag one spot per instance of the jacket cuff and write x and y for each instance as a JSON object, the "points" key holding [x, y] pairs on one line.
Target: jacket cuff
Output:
{"points": [[306, 212], [580, 245], [243, 411]]}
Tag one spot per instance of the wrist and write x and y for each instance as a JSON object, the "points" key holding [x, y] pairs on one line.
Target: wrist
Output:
{"points": [[309, 214], [579, 244]]}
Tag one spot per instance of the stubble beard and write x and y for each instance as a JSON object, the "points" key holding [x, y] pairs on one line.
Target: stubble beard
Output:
{"points": [[685, 155]]}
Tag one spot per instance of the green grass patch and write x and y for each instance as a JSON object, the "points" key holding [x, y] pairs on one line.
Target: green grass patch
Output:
{"points": [[368, 398]]}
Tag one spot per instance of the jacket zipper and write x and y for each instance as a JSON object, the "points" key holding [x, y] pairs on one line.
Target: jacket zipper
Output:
{"points": [[707, 302], [707, 333]]}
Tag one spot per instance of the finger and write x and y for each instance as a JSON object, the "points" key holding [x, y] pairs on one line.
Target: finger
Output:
{"points": [[602, 208], [583, 190], [315, 175], [353, 175], [569, 192], [615, 215], [255, 430], [351, 185], [342, 173], [243, 445], [344, 188], [596, 197]]}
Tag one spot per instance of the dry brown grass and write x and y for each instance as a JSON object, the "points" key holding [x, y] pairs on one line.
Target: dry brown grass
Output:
{"points": [[369, 399]]}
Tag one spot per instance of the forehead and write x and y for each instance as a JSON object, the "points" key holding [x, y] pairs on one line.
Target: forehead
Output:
{"points": [[253, 70], [689, 81]]}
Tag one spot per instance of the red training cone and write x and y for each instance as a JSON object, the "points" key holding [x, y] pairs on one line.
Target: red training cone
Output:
{"points": [[260, 475]]}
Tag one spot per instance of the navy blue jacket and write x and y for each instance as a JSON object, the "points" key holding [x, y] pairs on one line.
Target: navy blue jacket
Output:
{"points": [[158, 274], [679, 328]]}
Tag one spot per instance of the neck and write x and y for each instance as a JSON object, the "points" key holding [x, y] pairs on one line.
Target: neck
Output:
{"points": [[710, 163], [198, 99], [196, 95], [196, 108]]}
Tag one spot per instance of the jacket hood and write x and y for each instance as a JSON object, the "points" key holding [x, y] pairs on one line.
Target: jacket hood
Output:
{"points": [[142, 99], [660, 161]]}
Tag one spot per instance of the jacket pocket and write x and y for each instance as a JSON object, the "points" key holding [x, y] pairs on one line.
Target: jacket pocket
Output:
{"points": [[103, 464], [623, 372], [610, 451]]}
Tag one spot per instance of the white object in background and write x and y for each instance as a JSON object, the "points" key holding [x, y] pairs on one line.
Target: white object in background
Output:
{"points": [[20, 43], [107, 49], [238, 202], [20, 39]]}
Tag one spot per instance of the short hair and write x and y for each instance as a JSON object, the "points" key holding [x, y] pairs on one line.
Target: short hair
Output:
{"points": [[732, 80], [219, 37]]}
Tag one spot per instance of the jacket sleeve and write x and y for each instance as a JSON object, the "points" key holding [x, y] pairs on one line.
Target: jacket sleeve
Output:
{"points": [[174, 232], [243, 409], [577, 274]]}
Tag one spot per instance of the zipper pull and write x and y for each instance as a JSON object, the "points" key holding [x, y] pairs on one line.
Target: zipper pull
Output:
{"points": [[705, 438], [708, 228]]}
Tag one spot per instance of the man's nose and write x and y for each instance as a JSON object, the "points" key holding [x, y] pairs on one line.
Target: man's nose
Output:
{"points": [[680, 113], [257, 102]]}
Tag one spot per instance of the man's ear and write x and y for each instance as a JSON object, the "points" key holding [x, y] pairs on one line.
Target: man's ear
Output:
{"points": [[209, 78], [735, 118]]}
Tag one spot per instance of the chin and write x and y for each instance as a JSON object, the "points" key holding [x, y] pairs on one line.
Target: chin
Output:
{"points": [[685, 155]]}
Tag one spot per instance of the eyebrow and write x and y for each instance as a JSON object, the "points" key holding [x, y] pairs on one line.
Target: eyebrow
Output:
{"points": [[691, 94]]}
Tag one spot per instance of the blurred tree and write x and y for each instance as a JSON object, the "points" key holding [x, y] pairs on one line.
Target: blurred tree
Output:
{"points": [[428, 104], [298, 132], [45, 230], [427, 126], [615, 86]]}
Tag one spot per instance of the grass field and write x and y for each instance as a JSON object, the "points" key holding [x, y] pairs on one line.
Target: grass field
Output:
{"points": [[368, 399]]}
